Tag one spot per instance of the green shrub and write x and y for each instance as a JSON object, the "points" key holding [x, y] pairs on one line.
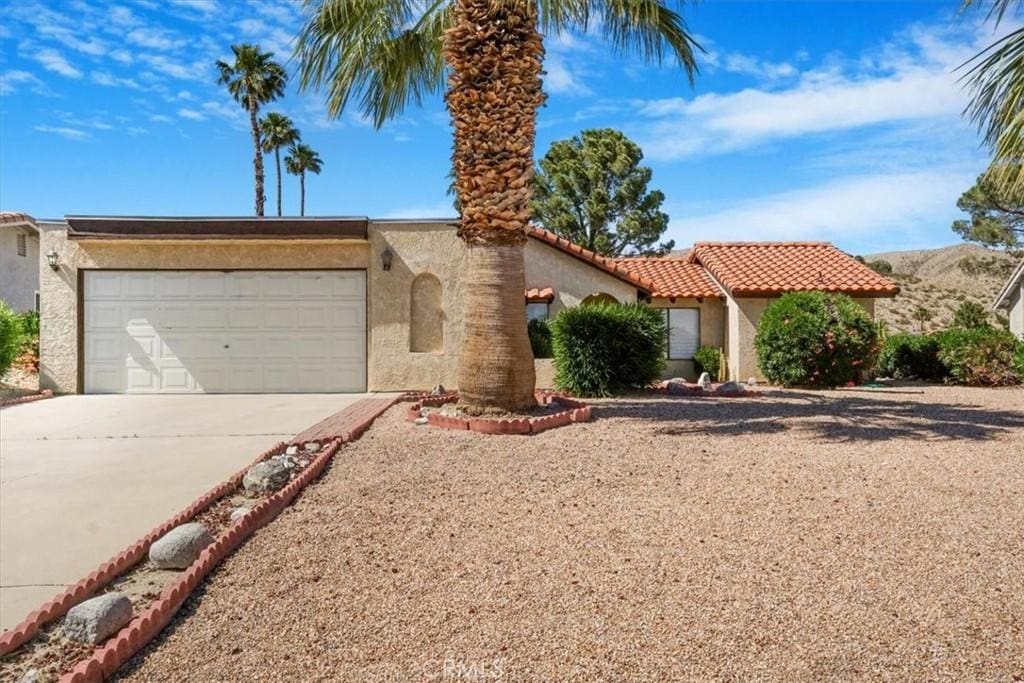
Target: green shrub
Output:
{"points": [[708, 359], [11, 337], [982, 356], [969, 315], [30, 331], [906, 356], [815, 338], [604, 348], [540, 338]]}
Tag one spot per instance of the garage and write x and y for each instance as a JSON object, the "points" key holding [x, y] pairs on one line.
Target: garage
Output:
{"points": [[206, 331]]}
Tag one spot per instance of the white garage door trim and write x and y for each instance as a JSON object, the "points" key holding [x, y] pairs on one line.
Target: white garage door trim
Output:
{"points": [[216, 331]]}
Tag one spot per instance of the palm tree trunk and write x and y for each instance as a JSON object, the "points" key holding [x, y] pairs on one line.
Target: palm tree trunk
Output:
{"points": [[277, 160], [302, 193], [495, 53], [257, 161]]}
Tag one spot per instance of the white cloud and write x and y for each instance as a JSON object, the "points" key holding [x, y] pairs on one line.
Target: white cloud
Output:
{"points": [[136, 130], [174, 69], [560, 79], [160, 118], [191, 114], [184, 95], [54, 61], [123, 16], [202, 6], [122, 56], [109, 80], [154, 38], [251, 27], [11, 80], [69, 133]]}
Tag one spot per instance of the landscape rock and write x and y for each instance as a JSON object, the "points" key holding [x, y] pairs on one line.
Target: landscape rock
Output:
{"points": [[179, 547], [438, 390], [752, 382], [705, 381], [95, 620], [269, 475], [30, 676], [729, 389], [312, 447], [291, 450], [420, 421], [680, 387], [238, 513]]}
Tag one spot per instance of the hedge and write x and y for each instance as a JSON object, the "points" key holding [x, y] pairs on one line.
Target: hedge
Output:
{"points": [[983, 356], [12, 338], [910, 356]]}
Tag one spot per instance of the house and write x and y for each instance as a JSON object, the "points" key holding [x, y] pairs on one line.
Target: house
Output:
{"points": [[165, 305], [1011, 299], [19, 261]]}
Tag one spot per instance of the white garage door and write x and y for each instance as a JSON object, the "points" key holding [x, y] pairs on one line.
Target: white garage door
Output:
{"points": [[156, 332]]}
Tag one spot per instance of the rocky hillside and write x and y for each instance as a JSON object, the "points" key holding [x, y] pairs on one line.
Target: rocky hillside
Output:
{"points": [[938, 280]]}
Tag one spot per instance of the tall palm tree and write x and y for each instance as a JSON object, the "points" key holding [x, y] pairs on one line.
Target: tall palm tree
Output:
{"points": [[388, 53], [278, 131], [995, 78], [254, 79], [303, 159]]}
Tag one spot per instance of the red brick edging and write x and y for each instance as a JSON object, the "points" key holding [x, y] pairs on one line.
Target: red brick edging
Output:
{"points": [[45, 393], [575, 412]]}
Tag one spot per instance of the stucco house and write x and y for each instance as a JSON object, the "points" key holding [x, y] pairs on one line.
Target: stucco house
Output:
{"points": [[1011, 300], [163, 305], [19, 261]]}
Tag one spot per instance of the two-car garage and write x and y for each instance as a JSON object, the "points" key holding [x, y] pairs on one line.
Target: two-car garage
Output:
{"points": [[213, 331]]}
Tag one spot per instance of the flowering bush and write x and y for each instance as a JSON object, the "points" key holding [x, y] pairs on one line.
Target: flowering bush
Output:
{"points": [[816, 339]]}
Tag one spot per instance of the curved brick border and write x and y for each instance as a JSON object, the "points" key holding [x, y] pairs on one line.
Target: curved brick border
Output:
{"points": [[108, 571], [45, 393], [575, 412]]}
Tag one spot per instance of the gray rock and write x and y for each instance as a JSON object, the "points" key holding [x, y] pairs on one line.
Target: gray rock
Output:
{"points": [[420, 421], [292, 450], [705, 381], [269, 475], [312, 447], [95, 620], [30, 676], [238, 513], [180, 546], [680, 387], [752, 382], [438, 390], [729, 388]]}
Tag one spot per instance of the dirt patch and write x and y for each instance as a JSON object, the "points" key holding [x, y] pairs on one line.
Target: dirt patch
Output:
{"points": [[849, 535]]}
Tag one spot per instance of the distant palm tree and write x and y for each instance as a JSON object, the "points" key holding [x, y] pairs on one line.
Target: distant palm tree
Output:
{"points": [[489, 54], [254, 79], [278, 131], [300, 160]]}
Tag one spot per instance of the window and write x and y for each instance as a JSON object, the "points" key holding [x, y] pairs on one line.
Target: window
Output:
{"points": [[683, 332], [22, 244], [38, 307], [537, 310]]}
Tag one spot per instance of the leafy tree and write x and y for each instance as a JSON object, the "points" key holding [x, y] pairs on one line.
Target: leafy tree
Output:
{"points": [[278, 131], [254, 79], [489, 55], [996, 215], [591, 189], [970, 315], [922, 315], [303, 159]]}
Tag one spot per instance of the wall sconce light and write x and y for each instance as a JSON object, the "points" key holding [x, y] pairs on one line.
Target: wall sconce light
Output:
{"points": [[386, 257], [51, 258]]}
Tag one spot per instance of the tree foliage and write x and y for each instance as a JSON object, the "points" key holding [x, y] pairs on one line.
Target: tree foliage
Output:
{"points": [[970, 315], [996, 215], [591, 189]]}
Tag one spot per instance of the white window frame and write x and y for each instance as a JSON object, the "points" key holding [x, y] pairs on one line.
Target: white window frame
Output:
{"points": [[668, 332], [546, 310]]}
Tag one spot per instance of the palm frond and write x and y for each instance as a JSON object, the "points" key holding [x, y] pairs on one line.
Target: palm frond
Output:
{"points": [[997, 11]]}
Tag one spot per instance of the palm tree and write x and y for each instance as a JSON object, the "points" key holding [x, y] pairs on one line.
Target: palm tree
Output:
{"points": [[996, 81], [254, 79], [490, 55], [278, 131], [300, 160]]}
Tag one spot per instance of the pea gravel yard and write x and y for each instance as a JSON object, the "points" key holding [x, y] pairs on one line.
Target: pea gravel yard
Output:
{"points": [[802, 535]]}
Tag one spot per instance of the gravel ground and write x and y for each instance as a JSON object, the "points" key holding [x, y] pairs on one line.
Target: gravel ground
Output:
{"points": [[800, 536]]}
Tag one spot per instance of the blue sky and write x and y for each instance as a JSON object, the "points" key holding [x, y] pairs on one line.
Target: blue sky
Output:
{"points": [[809, 120]]}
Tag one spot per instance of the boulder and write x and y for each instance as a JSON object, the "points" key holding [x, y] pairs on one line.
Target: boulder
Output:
{"points": [[705, 381], [420, 421], [312, 447], [729, 389], [95, 620], [438, 390], [238, 513], [292, 450], [30, 676], [752, 382], [269, 475], [179, 547], [680, 387]]}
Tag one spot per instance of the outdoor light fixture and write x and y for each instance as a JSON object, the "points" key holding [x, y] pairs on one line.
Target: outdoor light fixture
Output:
{"points": [[51, 258], [385, 259]]}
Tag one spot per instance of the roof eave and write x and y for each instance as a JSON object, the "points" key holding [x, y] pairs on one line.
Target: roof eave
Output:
{"points": [[1014, 281]]}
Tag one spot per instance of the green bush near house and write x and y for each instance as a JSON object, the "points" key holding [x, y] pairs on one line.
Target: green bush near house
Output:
{"points": [[909, 356], [982, 356], [607, 348], [540, 338], [815, 339], [708, 359], [11, 337], [30, 331]]}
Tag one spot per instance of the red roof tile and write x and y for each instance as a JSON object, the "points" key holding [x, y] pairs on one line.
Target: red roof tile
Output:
{"points": [[8, 217], [673, 277], [769, 268], [606, 264], [540, 294]]}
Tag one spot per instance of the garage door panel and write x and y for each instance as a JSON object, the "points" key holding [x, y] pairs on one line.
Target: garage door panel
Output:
{"points": [[195, 331]]}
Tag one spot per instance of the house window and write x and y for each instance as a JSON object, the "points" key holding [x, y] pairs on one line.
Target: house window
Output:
{"points": [[426, 324], [22, 244], [683, 332], [537, 310], [38, 308]]}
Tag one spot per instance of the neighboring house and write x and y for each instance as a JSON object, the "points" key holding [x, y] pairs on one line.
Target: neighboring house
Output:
{"points": [[1011, 299], [19, 261], [164, 305]]}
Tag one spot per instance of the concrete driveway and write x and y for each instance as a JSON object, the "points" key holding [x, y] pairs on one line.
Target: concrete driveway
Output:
{"points": [[81, 477]]}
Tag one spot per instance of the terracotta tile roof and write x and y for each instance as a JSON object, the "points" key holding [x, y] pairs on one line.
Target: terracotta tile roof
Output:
{"points": [[540, 294], [673, 277], [768, 268], [8, 217], [606, 264]]}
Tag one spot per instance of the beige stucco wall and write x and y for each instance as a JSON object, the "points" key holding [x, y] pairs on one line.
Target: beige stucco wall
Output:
{"points": [[572, 279], [19, 275], [58, 366], [712, 330]]}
